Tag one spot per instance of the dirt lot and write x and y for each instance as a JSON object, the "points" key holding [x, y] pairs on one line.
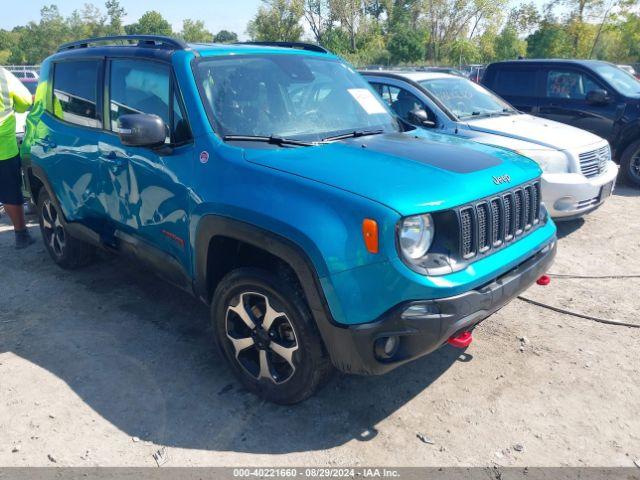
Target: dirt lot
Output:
{"points": [[106, 365]]}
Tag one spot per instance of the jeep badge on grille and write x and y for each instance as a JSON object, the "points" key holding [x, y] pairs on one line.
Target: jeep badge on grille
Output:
{"points": [[501, 179]]}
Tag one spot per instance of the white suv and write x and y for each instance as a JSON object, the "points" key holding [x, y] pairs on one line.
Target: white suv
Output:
{"points": [[578, 173]]}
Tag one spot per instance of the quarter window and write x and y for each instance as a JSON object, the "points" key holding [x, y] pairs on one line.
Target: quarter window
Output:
{"points": [[569, 84], [75, 92]]}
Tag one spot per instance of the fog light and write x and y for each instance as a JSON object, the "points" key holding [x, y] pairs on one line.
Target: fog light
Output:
{"points": [[386, 347], [564, 203]]}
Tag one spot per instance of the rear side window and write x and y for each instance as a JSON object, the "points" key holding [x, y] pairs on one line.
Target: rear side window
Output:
{"points": [[515, 82], [145, 87], [569, 84], [75, 86]]}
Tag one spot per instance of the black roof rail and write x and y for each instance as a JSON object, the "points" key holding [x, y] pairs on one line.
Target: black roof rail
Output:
{"points": [[311, 47], [143, 40]]}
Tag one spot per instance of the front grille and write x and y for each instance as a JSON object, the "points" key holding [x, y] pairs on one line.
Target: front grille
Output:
{"points": [[490, 223], [594, 162]]}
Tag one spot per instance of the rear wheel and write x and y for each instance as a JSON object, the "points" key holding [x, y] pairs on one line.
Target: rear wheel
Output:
{"points": [[267, 335], [66, 251], [630, 164]]}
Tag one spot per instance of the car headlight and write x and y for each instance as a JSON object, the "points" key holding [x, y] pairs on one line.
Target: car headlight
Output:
{"points": [[550, 161], [415, 236]]}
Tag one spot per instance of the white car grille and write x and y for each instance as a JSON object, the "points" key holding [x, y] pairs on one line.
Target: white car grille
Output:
{"points": [[593, 163]]}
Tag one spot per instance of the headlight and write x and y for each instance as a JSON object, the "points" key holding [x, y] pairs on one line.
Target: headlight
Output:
{"points": [[415, 236], [550, 161]]}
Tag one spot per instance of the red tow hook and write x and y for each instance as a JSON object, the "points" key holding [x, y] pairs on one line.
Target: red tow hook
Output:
{"points": [[544, 280], [462, 340]]}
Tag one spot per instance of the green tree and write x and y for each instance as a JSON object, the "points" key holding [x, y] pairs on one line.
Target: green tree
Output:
{"points": [[507, 45], [406, 46], [194, 31], [463, 51], [150, 23], [115, 13], [86, 23], [39, 40], [551, 40], [277, 20], [225, 36]]}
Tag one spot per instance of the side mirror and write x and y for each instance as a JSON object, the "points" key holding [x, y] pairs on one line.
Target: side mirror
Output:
{"points": [[141, 130], [597, 97], [420, 117]]}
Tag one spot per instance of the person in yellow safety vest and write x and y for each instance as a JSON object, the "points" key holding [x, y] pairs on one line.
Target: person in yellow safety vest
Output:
{"points": [[14, 97]]}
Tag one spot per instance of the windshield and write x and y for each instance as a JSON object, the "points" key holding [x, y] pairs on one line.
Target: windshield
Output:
{"points": [[621, 80], [289, 96], [466, 99]]}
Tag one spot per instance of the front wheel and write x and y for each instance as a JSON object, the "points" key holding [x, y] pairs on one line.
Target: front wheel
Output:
{"points": [[267, 335], [66, 251], [630, 164]]}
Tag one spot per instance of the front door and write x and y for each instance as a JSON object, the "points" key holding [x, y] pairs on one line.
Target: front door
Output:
{"points": [[148, 199], [565, 100]]}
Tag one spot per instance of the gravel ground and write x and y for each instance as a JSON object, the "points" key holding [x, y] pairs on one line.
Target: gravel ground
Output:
{"points": [[107, 365]]}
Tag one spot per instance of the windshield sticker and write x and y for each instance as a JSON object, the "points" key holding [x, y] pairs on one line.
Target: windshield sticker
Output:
{"points": [[367, 101]]}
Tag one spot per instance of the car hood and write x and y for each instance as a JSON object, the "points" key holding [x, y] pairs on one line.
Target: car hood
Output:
{"points": [[539, 132], [415, 172]]}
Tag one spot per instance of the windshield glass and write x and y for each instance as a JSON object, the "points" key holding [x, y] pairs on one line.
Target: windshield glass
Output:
{"points": [[466, 99], [290, 96], [623, 81]]}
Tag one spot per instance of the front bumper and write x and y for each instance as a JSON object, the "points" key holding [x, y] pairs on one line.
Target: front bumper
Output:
{"points": [[571, 195], [432, 322]]}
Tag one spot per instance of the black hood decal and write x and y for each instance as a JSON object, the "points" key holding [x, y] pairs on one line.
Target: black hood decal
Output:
{"points": [[448, 153]]}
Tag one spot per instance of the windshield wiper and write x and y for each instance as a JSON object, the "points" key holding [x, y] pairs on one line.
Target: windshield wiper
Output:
{"points": [[272, 139], [354, 134]]}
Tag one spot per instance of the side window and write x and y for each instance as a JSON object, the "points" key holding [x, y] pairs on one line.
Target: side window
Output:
{"points": [[145, 87], [75, 92], [138, 87], [569, 84], [517, 82], [403, 102]]}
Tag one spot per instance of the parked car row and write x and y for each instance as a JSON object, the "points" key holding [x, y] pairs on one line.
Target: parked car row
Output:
{"points": [[589, 94], [326, 226], [578, 174]]}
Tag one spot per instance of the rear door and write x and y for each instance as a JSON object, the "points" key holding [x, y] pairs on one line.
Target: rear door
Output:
{"points": [[147, 198], [517, 84], [565, 100], [66, 144]]}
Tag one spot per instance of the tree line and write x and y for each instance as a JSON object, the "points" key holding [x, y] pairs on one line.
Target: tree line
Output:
{"points": [[381, 32]]}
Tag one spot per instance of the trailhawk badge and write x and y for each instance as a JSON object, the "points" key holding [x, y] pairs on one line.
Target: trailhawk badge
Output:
{"points": [[502, 179]]}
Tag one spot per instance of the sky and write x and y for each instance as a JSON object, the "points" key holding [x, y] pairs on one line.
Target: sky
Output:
{"points": [[216, 14]]}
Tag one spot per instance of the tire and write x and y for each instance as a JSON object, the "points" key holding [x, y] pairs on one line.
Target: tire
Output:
{"points": [[630, 164], [68, 252], [283, 362]]}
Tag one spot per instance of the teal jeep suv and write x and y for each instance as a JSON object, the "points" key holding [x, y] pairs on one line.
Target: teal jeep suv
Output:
{"points": [[271, 182]]}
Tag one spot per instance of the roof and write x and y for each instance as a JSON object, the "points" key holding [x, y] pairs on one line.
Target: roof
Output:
{"points": [[212, 49], [535, 61], [157, 46], [413, 76]]}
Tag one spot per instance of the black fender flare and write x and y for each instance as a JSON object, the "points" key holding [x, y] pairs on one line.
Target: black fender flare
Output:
{"points": [[337, 338], [211, 226]]}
